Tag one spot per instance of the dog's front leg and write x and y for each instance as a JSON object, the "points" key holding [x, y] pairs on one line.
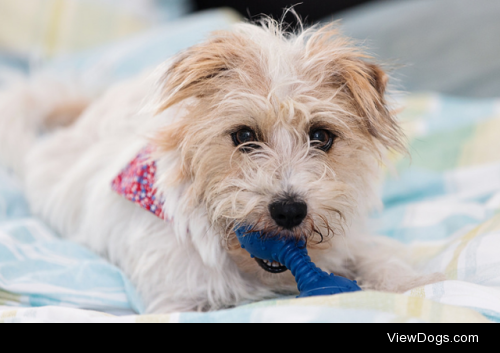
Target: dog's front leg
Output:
{"points": [[385, 265]]}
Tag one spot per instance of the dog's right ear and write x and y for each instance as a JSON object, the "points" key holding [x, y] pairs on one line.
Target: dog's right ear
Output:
{"points": [[200, 70]]}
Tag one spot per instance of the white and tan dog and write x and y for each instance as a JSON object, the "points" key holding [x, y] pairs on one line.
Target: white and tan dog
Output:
{"points": [[285, 132]]}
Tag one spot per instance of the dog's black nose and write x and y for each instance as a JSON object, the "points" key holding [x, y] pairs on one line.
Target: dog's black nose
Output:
{"points": [[288, 214]]}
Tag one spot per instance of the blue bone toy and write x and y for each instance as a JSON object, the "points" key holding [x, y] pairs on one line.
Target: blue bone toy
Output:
{"points": [[311, 280]]}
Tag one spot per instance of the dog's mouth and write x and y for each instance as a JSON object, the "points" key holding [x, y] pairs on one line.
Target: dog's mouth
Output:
{"points": [[271, 266]]}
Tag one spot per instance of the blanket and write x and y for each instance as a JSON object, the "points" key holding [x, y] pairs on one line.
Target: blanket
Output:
{"points": [[39, 269]]}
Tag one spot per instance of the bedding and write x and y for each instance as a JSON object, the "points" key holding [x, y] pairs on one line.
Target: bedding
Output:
{"points": [[445, 205], [39, 269], [12, 63]]}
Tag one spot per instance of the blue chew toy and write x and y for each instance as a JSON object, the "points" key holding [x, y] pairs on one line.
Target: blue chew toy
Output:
{"points": [[311, 281]]}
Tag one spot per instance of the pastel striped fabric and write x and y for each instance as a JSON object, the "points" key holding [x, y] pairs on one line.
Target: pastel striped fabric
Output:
{"points": [[445, 205], [39, 269], [370, 307], [446, 202]]}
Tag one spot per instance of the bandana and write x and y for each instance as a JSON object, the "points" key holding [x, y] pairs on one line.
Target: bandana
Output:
{"points": [[136, 183]]}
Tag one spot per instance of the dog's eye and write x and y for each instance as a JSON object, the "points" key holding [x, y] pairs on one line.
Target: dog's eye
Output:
{"points": [[245, 136], [322, 139]]}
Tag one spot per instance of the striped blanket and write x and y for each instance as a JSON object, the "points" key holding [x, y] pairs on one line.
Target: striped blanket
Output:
{"points": [[39, 269], [445, 205]]}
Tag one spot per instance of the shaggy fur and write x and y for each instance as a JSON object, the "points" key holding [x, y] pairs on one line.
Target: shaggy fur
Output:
{"points": [[282, 86]]}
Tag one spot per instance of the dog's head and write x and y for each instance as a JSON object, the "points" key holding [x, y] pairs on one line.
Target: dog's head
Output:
{"points": [[283, 132]]}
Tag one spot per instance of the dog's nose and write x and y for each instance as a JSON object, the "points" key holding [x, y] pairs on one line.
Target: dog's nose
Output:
{"points": [[288, 214]]}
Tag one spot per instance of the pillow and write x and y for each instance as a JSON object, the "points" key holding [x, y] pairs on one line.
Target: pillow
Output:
{"points": [[120, 60], [446, 46], [46, 28]]}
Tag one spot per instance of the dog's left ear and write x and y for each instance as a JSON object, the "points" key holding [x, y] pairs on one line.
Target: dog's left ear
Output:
{"points": [[367, 84]]}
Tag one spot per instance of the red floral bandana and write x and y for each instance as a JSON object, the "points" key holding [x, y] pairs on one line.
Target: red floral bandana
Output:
{"points": [[136, 183]]}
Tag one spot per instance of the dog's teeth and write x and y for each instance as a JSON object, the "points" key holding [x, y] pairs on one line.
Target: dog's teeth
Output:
{"points": [[273, 264]]}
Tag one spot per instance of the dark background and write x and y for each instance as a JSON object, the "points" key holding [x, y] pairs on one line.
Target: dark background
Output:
{"points": [[310, 10]]}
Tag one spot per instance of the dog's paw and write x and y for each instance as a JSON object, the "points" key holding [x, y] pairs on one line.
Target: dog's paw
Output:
{"points": [[401, 284], [420, 281]]}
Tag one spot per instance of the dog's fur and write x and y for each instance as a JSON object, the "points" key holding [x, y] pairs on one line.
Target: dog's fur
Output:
{"points": [[279, 84]]}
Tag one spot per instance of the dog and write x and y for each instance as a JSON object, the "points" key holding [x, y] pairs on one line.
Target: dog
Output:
{"points": [[283, 131]]}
